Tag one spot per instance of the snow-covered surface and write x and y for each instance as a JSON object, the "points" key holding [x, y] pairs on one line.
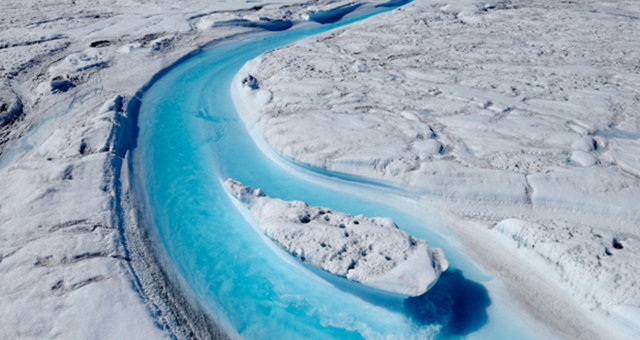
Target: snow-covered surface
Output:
{"points": [[515, 120], [63, 255], [372, 251], [74, 263]]}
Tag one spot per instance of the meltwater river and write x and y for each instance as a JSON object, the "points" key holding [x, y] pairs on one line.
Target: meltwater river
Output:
{"points": [[191, 138]]}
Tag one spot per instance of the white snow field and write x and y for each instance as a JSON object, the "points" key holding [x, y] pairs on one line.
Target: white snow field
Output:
{"points": [[74, 261], [371, 251], [517, 123]]}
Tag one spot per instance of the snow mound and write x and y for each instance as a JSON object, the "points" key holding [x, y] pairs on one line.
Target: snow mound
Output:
{"points": [[371, 251]]}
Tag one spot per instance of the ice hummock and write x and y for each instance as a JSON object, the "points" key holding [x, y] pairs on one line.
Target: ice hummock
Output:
{"points": [[371, 251]]}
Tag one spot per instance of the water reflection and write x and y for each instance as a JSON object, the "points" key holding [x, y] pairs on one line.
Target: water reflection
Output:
{"points": [[458, 304]]}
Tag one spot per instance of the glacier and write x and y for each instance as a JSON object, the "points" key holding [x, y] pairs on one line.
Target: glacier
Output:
{"points": [[513, 122]]}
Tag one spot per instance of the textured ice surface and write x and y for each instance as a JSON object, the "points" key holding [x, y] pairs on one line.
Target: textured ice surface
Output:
{"points": [[64, 267], [518, 109], [372, 251], [68, 69]]}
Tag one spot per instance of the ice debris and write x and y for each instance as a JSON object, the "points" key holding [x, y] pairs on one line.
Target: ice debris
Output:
{"points": [[371, 251]]}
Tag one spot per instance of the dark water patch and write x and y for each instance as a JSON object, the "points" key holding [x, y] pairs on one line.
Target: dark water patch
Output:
{"points": [[101, 43], [617, 244], [332, 15], [264, 23], [458, 304], [394, 3]]}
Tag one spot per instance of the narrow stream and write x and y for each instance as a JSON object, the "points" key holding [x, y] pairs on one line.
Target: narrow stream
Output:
{"points": [[191, 138]]}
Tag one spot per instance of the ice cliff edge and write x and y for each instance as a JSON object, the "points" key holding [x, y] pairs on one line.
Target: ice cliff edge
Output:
{"points": [[371, 251]]}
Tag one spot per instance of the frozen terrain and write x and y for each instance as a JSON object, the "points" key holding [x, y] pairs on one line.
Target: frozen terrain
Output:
{"points": [[191, 139], [372, 251], [75, 262], [516, 122]]}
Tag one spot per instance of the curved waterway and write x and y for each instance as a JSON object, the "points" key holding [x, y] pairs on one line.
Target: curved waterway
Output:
{"points": [[191, 138]]}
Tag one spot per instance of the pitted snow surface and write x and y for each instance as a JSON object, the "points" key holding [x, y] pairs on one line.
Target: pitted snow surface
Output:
{"points": [[372, 251]]}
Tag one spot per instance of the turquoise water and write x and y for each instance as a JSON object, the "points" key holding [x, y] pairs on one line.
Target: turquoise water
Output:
{"points": [[191, 138]]}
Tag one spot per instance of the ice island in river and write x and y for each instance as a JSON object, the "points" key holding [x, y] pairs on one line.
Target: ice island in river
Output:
{"points": [[372, 251]]}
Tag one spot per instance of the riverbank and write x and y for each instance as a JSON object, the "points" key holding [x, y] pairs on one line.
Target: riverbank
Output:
{"points": [[74, 256], [244, 278], [512, 124]]}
